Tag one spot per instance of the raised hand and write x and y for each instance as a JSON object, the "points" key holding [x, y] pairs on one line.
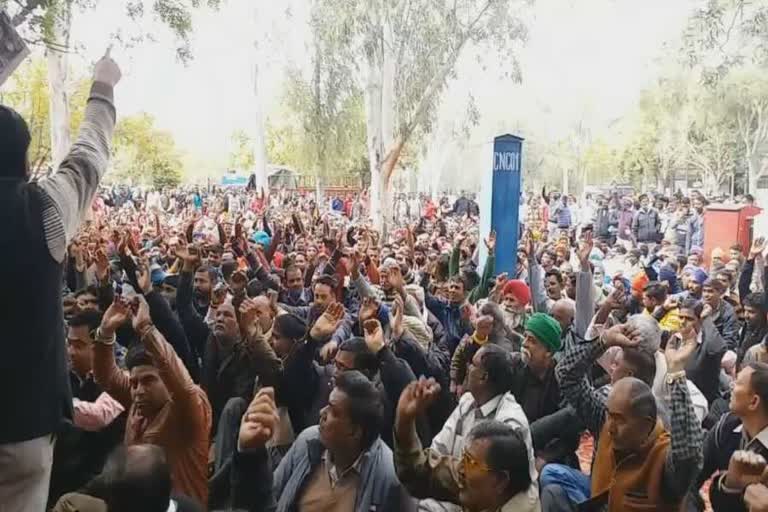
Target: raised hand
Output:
{"points": [[395, 278], [190, 256], [374, 335], [115, 316], [416, 399], [530, 245], [585, 249], [102, 265], [259, 421], [141, 316], [758, 246], [501, 280], [143, 276], [677, 356], [622, 335], [398, 310], [744, 468], [107, 71], [328, 322], [368, 309], [490, 242], [248, 317]]}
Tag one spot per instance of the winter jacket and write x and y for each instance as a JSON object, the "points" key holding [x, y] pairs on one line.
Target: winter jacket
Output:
{"points": [[379, 487], [646, 226]]}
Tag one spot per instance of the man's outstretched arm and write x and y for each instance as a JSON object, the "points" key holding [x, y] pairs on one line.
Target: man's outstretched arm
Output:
{"points": [[68, 193]]}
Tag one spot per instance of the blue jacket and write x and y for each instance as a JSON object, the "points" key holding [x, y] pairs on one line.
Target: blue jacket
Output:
{"points": [[379, 489]]}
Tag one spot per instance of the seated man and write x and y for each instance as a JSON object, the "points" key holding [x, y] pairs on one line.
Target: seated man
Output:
{"points": [[164, 406], [745, 427], [134, 478], [341, 464], [657, 467], [488, 398], [98, 426], [493, 472]]}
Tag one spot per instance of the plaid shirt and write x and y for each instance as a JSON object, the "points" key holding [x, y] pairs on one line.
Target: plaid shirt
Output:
{"points": [[684, 459]]}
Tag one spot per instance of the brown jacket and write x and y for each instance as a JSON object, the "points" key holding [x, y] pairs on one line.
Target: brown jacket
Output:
{"points": [[633, 483], [182, 427]]}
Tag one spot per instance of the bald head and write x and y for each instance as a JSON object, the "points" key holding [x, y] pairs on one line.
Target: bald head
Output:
{"points": [[632, 413], [138, 478], [642, 403], [563, 311]]}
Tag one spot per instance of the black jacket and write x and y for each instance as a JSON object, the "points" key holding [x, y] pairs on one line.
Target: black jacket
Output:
{"points": [[703, 368], [79, 455], [34, 380], [719, 444]]}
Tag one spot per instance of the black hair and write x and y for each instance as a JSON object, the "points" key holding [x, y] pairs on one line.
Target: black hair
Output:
{"points": [[715, 284], [642, 364], [228, 268], [498, 364], [327, 280], [213, 274], [692, 305], [292, 268], [365, 405], [365, 360], [554, 272], [507, 453], [759, 382], [138, 356], [90, 318], [470, 279], [88, 290], [737, 247], [656, 290], [757, 301], [137, 478], [642, 403], [14, 142]]}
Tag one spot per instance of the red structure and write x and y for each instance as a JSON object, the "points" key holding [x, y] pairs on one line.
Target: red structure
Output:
{"points": [[727, 224]]}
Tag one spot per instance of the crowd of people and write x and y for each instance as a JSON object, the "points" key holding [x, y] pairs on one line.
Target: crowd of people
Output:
{"points": [[190, 350]]}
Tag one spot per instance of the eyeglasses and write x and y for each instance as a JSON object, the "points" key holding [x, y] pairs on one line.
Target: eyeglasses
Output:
{"points": [[472, 465]]}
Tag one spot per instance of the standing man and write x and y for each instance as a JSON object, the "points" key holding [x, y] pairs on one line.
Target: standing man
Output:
{"points": [[40, 219]]}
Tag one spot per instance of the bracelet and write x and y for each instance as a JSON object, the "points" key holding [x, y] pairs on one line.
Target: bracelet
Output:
{"points": [[672, 377], [143, 330], [103, 340]]}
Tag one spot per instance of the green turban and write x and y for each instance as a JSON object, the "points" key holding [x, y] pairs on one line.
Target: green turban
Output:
{"points": [[546, 330]]}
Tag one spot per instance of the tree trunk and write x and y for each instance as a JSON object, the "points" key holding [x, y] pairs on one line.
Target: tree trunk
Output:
{"points": [[57, 82], [754, 171], [259, 135]]}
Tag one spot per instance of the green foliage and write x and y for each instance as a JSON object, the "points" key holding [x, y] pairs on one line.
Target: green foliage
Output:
{"points": [[145, 154], [39, 16], [321, 125], [726, 34], [242, 157], [417, 45], [27, 92]]}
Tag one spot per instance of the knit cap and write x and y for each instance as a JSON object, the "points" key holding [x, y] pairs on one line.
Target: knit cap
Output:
{"points": [[546, 330]]}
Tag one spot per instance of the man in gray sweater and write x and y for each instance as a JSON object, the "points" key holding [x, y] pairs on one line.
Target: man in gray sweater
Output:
{"points": [[39, 220]]}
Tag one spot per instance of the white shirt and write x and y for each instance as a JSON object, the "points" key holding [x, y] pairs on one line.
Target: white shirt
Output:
{"points": [[452, 439]]}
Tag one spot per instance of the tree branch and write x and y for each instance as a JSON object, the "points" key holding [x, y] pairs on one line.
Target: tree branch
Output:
{"points": [[26, 10], [439, 77]]}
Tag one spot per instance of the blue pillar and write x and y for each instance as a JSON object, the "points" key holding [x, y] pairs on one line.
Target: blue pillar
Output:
{"points": [[500, 201]]}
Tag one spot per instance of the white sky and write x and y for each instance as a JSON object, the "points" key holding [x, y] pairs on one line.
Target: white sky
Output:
{"points": [[584, 59]]}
